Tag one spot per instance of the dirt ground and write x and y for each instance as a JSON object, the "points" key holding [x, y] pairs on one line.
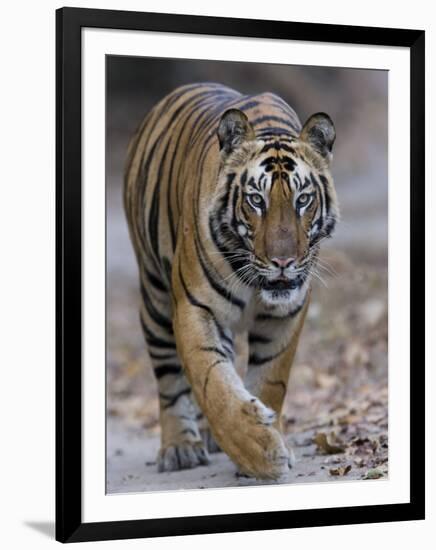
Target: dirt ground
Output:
{"points": [[336, 413]]}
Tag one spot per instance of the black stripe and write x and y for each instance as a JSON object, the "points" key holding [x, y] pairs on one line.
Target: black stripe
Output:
{"points": [[186, 417], [170, 189], [269, 160], [213, 106], [225, 199], [243, 177], [249, 105], [157, 283], [153, 340], [292, 313], [189, 431], [274, 118], [153, 220], [278, 146], [193, 301], [211, 137], [229, 351], [213, 349], [288, 163], [234, 204], [274, 131], [165, 108], [206, 132], [145, 166], [226, 339], [172, 399], [188, 102], [285, 108], [156, 316], [200, 128], [173, 97], [167, 269], [326, 192], [163, 370], [258, 361], [324, 199], [306, 182], [222, 291], [206, 380], [162, 357], [133, 149], [258, 339]]}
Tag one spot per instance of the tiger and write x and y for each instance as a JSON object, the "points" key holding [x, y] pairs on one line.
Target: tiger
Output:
{"points": [[227, 199]]}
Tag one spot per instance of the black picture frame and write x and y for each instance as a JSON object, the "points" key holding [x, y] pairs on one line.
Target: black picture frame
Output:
{"points": [[69, 525]]}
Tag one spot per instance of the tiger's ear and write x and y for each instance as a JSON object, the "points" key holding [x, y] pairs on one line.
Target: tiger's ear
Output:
{"points": [[234, 129], [319, 132]]}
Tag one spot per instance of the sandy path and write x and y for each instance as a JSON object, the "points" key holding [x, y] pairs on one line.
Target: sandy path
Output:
{"points": [[131, 465]]}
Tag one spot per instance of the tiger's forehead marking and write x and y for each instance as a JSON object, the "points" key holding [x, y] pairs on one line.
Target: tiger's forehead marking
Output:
{"points": [[276, 161]]}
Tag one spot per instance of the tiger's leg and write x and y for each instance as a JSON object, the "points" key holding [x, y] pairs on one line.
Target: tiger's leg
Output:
{"points": [[272, 344], [240, 353], [241, 424], [181, 443]]}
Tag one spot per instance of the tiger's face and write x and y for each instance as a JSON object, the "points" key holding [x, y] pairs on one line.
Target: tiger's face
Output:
{"points": [[277, 204]]}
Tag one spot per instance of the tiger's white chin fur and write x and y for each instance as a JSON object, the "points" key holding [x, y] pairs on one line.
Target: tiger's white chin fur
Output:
{"points": [[276, 297], [288, 299]]}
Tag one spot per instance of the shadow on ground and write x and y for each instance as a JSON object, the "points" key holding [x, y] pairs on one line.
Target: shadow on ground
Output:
{"points": [[46, 528]]}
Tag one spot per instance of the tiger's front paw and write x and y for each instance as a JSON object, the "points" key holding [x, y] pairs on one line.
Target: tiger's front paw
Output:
{"points": [[253, 443], [182, 456], [259, 412]]}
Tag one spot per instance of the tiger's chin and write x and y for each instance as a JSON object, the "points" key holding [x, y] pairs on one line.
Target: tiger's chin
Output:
{"points": [[276, 297], [279, 297], [286, 295]]}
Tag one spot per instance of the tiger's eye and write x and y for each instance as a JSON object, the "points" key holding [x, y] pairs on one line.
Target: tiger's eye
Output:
{"points": [[256, 199], [303, 199]]}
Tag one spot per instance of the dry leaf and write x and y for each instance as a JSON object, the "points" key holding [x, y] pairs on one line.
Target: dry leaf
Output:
{"points": [[341, 471], [373, 473], [355, 355], [359, 441], [333, 460], [349, 419], [325, 381], [375, 418], [323, 444], [383, 439]]}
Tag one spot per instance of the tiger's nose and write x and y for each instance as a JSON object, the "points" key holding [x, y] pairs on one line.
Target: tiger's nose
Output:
{"points": [[281, 261]]}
